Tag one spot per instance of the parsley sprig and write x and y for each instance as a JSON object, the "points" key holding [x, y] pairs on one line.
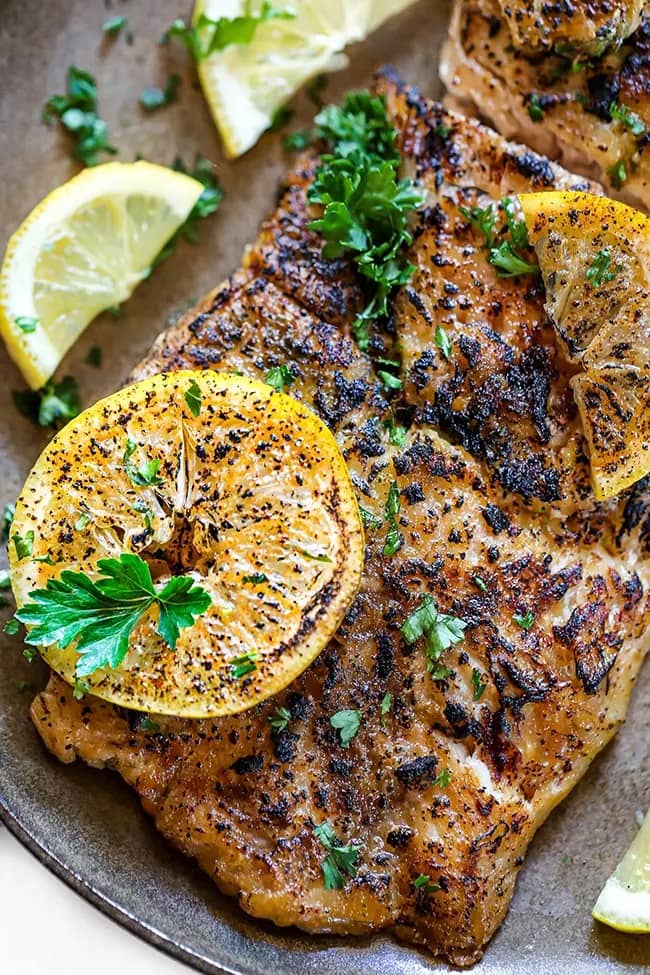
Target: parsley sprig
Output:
{"points": [[208, 35], [440, 630], [99, 616], [206, 204], [367, 209], [52, 405], [347, 722], [77, 112], [599, 270], [506, 254], [340, 859]]}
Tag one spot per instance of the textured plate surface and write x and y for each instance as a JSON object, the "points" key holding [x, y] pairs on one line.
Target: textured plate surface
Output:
{"points": [[86, 825]]}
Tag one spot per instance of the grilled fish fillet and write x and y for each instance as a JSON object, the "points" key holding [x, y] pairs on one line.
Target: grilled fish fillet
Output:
{"points": [[586, 25], [521, 713], [558, 104]]}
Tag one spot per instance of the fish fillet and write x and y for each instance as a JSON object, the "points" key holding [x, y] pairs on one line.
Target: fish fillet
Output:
{"points": [[454, 776]]}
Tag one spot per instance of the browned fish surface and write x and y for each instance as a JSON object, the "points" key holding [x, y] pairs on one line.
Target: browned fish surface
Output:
{"points": [[583, 25], [568, 106], [450, 774]]}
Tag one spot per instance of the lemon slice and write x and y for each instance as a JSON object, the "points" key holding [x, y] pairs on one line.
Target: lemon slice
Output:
{"points": [[624, 902], [83, 249], [245, 84], [594, 256], [254, 502]]}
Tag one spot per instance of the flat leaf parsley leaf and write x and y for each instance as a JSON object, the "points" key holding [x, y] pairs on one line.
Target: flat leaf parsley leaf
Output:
{"points": [[347, 722], [193, 398], [599, 271], [209, 35], [280, 719], [146, 475], [279, 377], [99, 616], [394, 539], [340, 859], [440, 630]]}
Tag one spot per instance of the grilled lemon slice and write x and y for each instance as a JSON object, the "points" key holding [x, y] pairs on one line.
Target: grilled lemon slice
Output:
{"points": [[594, 256], [624, 902], [245, 84], [83, 249], [251, 498]]}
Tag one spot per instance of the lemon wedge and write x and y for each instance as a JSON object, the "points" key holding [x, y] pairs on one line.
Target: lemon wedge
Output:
{"points": [[245, 84], [624, 902], [594, 255], [251, 499], [83, 249]]}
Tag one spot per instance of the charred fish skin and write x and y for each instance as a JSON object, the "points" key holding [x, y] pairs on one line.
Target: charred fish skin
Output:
{"points": [[455, 764], [590, 112]]}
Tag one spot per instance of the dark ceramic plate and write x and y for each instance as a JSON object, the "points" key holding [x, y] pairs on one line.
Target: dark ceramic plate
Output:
{"points": [[86, 825]]}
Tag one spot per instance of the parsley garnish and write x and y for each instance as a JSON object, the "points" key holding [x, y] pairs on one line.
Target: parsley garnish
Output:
{"points": [[7, 518], [51, 406], [152, 98], [396, 432], [384, 707], [482, 219], [506, 256], [526, 620], [443, 778], [389, 380], [12, 627], [27, 324], [82, 521], [394, 540], [366, 208], [598, 271], [146, 475], [478, 684], [146, 724], [440, 630], [368, 519], [94, 357], [77, 112], [347, 723], [314, 556], [193, 398], [630, 119], [256, 579], [535, 108], [208, 35], [479, 583], [24, 544], [244, 664], [114, 25], [618, 173], [279, 377], [297, 141], [425, 883], [280, 719], [340, 860], [5, 579], [206, 204], [443, 342], [99, 616], [80, 688]]}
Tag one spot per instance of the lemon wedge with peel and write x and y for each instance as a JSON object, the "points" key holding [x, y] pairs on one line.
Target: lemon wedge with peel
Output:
{"points": [[83, 249], [245, 84], [624, 902], [594, 255], [251, 499]]}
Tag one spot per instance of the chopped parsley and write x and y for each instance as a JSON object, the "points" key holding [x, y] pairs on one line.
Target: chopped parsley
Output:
{"points": [[631, 121], [482, 219], [256, 579], [394, 540], [243, 665], [27, 324], [52, 405], [340, 859], [388, 380], [478, 684], [368, 519], [146, 475], [153, 98], [208, 35], [525, 620], [280, 719], [82, 521], [146, 724], [12, 627], [80, 688], [347, 723], [443, 342], [280, 377], [23, 544], [7, 518], [366, 208], [95, 357], [5, 579], [384, 707], [618, 173], [98, 616], [396, 432], [506, 256], [77, 112], [479, 583], [207, 203], [535, 108], [599, 271], [440, 630], [426, 884], [114, 25], [443, 778], [193, 398], [297, 141]]}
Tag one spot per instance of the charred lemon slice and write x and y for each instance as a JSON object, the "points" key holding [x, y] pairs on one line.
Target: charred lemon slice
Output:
{"points": [[214, 477], [594, 256]]}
